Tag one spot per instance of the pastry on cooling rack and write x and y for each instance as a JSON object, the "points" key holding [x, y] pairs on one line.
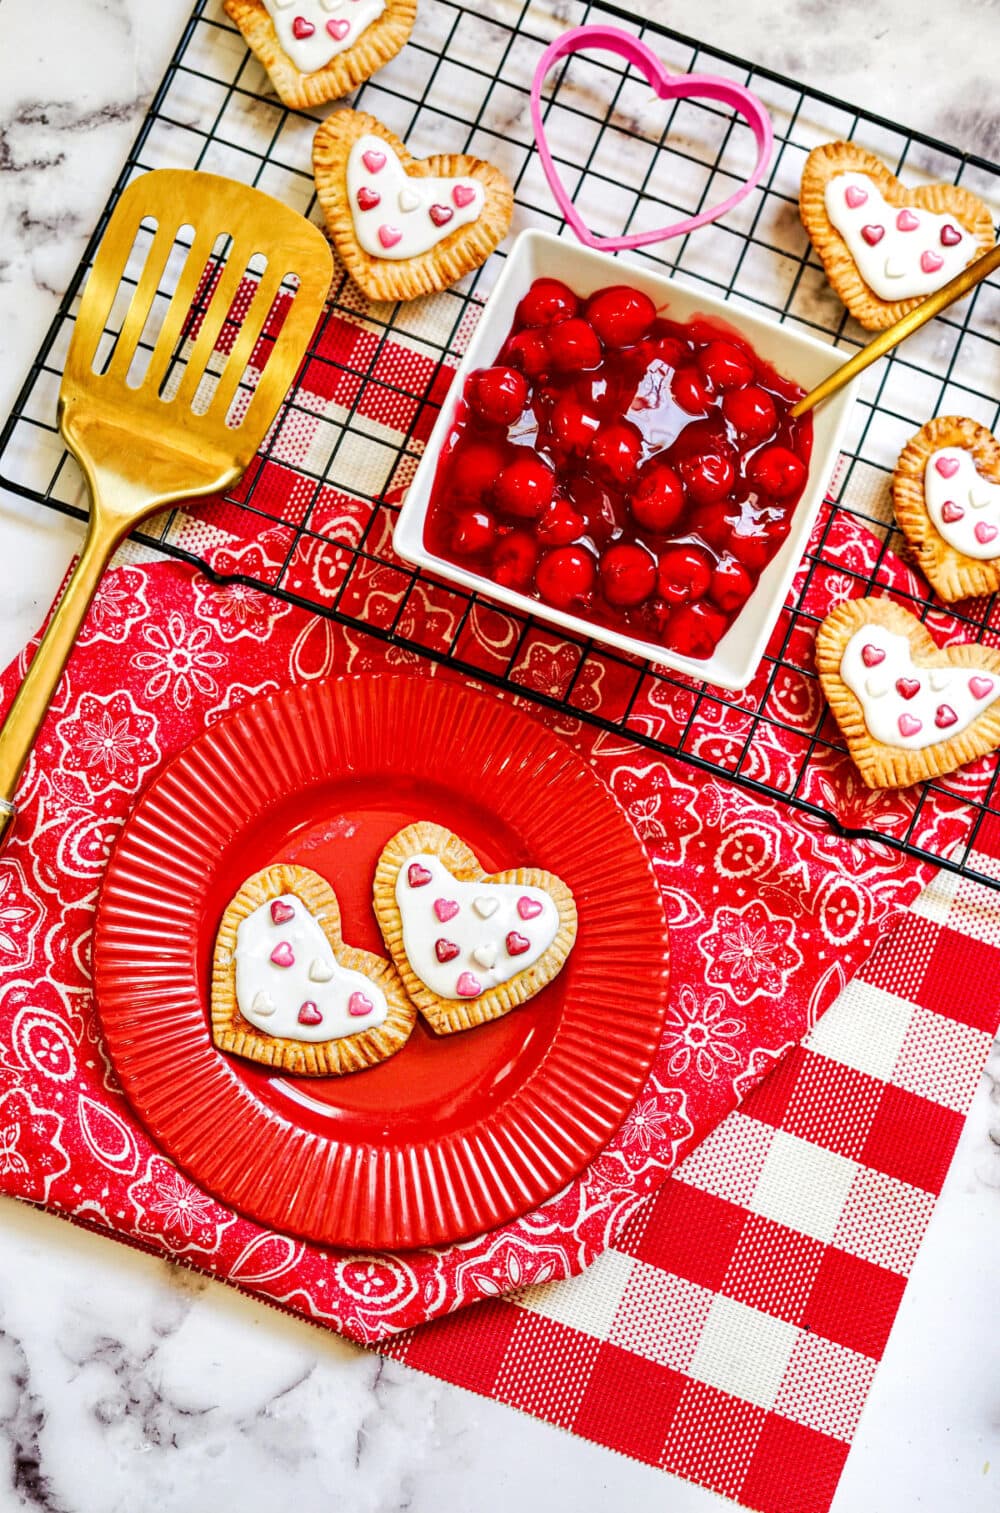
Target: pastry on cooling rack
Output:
{"points": [[405, 226], [885, 247], [288, 992], [470, 946], [318, 50], [946, 494], [909, 709]]}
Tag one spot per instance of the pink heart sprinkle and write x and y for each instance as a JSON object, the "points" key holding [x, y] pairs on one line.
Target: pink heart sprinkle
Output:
{"points": [[907, 221], [373, 161], [417, 876], [930, 262], [908, 725], [368, 199], [873, 234], [389, 235], [440, 214], [871, 656], [281, 912], [950, 512], [309, 1013], [528, 908], [301, 28], [463, 194], [358, 1005], [283, 955], [517, 944], [468, 986], [445, 950], [907, 688], [950, 236], [945, 716], [947, 466], [985, 532], [338, 29], [980, 687], [855, 196], [445, 909]]}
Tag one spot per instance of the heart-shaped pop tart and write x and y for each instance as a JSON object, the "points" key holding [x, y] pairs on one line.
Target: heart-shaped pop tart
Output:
{"points": [[885, 247], [909, 709], [469, 946], [946, 494], [405, 226], [319, 50], [288, 992]]}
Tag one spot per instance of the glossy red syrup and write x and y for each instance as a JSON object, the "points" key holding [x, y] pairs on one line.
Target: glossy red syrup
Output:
{"points": [[621, 466]]}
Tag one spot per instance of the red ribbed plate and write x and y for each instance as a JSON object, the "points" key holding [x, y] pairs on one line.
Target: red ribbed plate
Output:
{"points": [[455, 1134]]}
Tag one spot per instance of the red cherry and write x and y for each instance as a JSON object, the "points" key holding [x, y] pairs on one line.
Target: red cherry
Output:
{"points": [[715, 523], [731, 585], [691, 391], [473, 532], [669, 350], [546, 301], [514, 560], [525, 486], [560, 525], [499, 395], [628, 574], [778, 472], [621, 316], [694, 630], [595, 505], [751, 413], [572, 426], [475, 466], [573, 346], [757, 536], [615, 451], [565, 577], [684, 573], [726, 365], [529, 350], [657, 497], [708, 476]]}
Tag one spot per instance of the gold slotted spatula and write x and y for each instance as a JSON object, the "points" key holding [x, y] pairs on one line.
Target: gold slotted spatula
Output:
{"points": [[138, 450]]}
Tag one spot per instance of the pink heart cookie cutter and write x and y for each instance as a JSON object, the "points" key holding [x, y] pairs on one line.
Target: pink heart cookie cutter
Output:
{"points": [[667, 86]]}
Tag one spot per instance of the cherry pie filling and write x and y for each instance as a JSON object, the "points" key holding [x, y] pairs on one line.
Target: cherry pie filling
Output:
{"points": [[621, 466]]}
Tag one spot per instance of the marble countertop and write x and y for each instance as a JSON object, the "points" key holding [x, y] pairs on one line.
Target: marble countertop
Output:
{"points": [[178, 1394]]}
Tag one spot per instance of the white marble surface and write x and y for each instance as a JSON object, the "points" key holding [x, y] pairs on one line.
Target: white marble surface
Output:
{"points": [[127, 1384]]}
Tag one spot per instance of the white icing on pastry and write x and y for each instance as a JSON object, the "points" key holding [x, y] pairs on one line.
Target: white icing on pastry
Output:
{"points": [[314, 32], [398, 216], [313, 997], [905, 705], [903, 252], [458, 949], [964, 507]]}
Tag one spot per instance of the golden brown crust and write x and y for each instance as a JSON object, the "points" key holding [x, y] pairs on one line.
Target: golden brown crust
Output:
{"points": [[330, 1058], [823, 164], [884, 766], [444, 264], [445, 1015], [374, 48], [951, 573]]}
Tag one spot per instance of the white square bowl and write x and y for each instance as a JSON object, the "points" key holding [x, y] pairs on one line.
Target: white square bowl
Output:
{"points": [[538, 254]]}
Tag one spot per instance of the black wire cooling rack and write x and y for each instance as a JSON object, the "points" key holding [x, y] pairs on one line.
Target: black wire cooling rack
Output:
{"points": [[312, 521]]}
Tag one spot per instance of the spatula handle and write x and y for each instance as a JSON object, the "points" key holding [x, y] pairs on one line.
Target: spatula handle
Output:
{"points": [[28, 710]]}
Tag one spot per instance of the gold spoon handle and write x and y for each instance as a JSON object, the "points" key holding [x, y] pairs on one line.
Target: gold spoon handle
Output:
{"points": [[902, 328]]}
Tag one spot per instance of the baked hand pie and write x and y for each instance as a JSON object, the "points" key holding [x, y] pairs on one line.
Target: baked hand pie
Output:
{"points": [[946, 495], [289, 993]]}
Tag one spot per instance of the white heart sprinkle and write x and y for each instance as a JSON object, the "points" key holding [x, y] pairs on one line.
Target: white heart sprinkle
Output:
{"points": [[486, 956], [320, 971], [408, 200], [878, 684], [331, 5], [894, 268], [484, 907], [980, 495], [263, 1005], [939, 680], [283, 4]]}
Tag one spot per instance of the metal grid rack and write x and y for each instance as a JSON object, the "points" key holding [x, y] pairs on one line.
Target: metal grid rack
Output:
{"points": [[312, 521]]}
